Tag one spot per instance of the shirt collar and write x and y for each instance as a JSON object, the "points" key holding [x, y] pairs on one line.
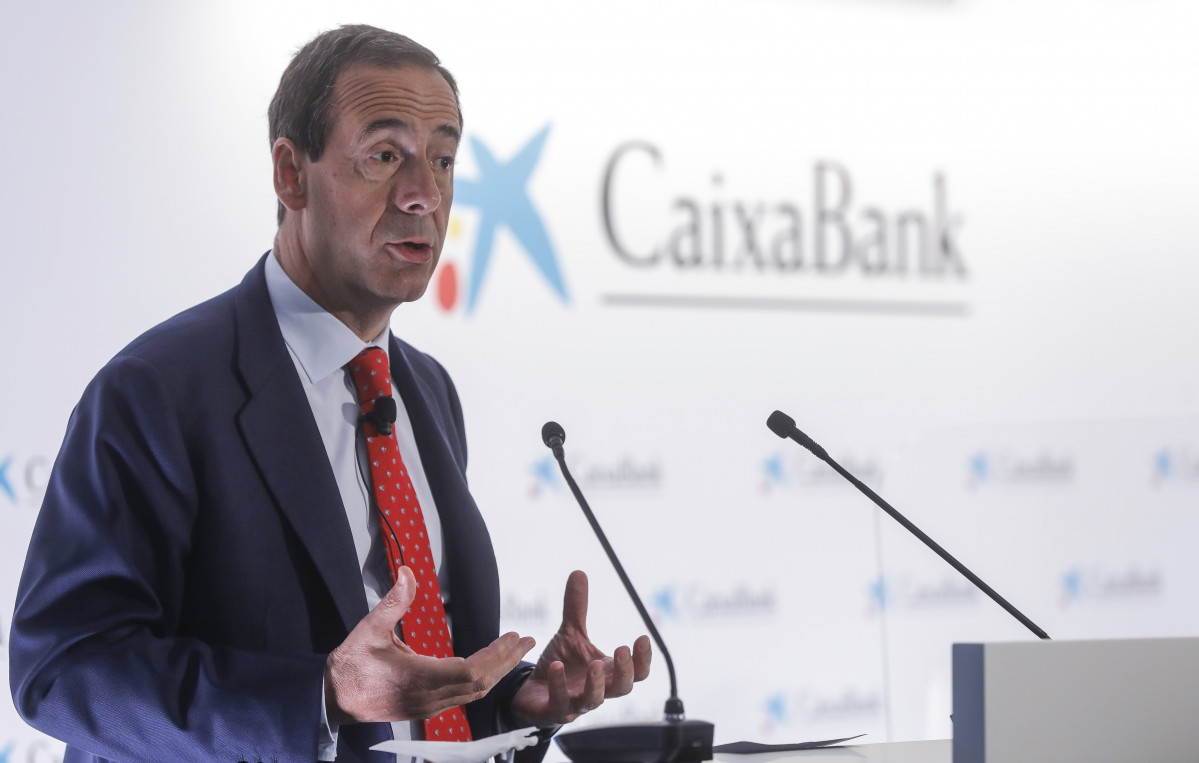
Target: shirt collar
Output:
{"points": [[320, 342]]}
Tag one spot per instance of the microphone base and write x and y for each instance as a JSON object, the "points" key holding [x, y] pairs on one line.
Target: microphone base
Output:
{"points": [[688, 741]]}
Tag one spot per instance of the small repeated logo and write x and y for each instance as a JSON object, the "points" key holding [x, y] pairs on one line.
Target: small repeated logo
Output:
{"points": [[1174, 466], [23, 480], [697, 602], [1100, 585], [545, 476], [801, 470], [528, 611], [776, 713], [807, 706], [891, 594], [985, 468], [5, 484], [36, 751], [501, 196], [624, 473], [774, 473]]}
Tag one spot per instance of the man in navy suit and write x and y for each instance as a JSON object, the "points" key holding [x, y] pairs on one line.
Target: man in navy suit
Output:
{"points": [[205, 579]]}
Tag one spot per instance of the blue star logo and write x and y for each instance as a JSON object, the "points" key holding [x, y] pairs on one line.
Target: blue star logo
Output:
{"points": [[4, 485], [665, 602], [544, 474], [776, 707], [1164, 464], [878, 594], [773, 467], [978, 467], [1072, 585], [7, 750], [502, 198]]}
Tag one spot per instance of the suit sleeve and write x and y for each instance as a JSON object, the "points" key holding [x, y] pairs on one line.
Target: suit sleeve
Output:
{"points": [[96, 658]]}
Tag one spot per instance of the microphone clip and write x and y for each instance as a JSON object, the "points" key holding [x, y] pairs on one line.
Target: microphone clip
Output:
{"points": [[381, 416]]}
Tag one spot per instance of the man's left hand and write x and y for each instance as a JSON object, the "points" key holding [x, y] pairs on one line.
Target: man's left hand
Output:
{"points": [[573, 676]]}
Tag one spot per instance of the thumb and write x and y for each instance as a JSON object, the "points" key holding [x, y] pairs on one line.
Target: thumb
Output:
{"points": [[574, 602], [393, 606]]}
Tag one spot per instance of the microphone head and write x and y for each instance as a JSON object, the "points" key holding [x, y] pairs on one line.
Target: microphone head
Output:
{"points": [[385, 410], [553, 434], [781, 424]]}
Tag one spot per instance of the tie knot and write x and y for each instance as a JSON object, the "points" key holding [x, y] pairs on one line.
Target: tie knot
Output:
{"points": [[372, 379]]}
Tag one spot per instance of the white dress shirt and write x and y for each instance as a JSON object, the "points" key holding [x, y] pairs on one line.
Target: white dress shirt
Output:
{"points": [[320, 345]]}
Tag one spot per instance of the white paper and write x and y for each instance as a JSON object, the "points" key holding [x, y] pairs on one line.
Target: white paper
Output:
{"points": [[475, 751]]}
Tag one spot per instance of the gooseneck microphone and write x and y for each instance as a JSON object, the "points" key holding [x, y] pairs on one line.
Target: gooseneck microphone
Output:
{"points": [[784, 426], [671, 740]]}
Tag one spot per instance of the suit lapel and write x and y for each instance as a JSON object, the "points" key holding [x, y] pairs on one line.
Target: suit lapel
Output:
{"points": [[283, 439]]}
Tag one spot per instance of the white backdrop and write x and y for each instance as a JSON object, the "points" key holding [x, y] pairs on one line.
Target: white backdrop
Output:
{"points": [[955, 240]]}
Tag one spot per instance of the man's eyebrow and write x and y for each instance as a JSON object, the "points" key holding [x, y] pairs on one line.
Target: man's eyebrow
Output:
{"points": [[380, 125], [394, 123], [449, 131]]}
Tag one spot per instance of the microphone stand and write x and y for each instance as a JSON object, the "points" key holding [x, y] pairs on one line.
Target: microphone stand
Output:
{"points": [[674, 739], [784, 426]]}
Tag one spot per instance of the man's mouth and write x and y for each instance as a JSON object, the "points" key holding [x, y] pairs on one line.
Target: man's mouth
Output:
{"points": [[413, 250]]}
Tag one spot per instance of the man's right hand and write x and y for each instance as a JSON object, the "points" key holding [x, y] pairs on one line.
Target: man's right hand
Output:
{"points": [[374, 676]]}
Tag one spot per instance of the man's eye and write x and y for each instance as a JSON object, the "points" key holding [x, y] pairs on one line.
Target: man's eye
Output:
{"points": [[445, 162], [387, 157]]}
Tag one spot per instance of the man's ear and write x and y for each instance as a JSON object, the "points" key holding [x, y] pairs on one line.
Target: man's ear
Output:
{"points": [[289, 164]]}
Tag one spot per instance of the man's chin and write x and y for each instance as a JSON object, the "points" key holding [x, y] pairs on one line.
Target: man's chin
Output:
{"points": [[410, 287]]}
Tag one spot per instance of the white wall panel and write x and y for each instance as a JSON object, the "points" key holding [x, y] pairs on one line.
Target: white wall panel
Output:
{"points": [[1034, 406]]}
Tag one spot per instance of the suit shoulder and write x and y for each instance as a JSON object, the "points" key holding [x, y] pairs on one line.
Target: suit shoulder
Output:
{"points": [[190, 333], [437, 391], [427, 368]]}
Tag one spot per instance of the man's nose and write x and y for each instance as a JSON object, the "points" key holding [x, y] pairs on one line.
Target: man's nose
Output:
{"points": [[416, 191]]}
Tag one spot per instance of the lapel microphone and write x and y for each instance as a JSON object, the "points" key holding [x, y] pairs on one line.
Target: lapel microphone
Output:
{"points": [[382, 415]]}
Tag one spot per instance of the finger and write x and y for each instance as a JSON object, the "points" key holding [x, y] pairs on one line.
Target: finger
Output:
{"points": [[459, 680], [508, 650], [574, 602], [381, 621], [558, 702], [642, 653], [593, 689], [497, 658], [620, 678]]}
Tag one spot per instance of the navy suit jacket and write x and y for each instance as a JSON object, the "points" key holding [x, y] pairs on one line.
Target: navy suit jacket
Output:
{"points": [[192, 564]]}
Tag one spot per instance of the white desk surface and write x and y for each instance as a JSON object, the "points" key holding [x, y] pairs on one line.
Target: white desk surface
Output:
{"points": [[936, 751]]}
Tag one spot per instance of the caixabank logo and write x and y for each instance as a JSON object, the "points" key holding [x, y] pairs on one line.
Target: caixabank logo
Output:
{"points": [[1100, 585], [36, 751], [1000, 467], [753, 247], [625, 473], [778, 250], [499, 194], [1177, 466], [890, 594], [23, 479], [799, 470], [700, 602], [524, 610], [810, 706]]}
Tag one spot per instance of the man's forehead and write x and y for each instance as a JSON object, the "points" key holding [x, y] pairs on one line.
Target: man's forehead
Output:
{"points": [[407, 94]]}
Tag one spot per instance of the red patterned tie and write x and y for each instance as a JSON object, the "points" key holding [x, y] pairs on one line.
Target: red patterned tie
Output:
{"points": [[403, 529]]}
